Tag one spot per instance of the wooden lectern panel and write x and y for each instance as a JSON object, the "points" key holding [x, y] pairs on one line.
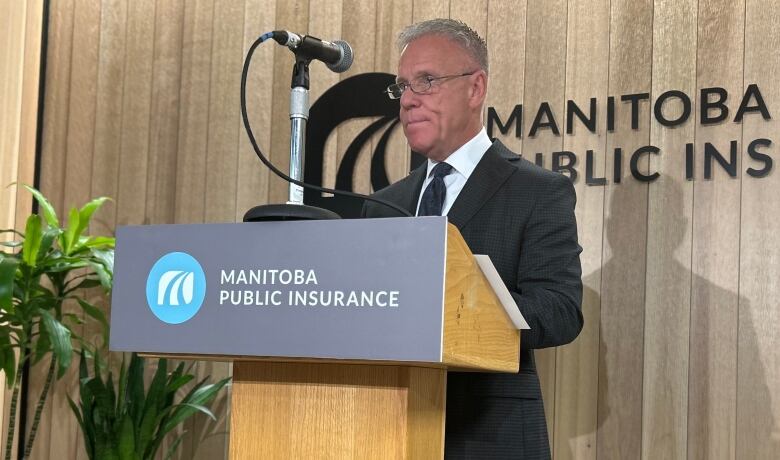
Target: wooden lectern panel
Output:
{"points": [[336, 411], [478, 334]]}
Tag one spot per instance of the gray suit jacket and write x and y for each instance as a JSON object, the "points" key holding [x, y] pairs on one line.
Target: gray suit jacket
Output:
{"points": [[522, 216]]}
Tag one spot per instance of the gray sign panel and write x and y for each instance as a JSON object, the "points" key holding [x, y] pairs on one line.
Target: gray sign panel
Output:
{"points": [[346, 289]]}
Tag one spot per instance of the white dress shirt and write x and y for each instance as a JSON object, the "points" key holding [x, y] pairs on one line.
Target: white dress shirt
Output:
{"points": [[463, 162]]}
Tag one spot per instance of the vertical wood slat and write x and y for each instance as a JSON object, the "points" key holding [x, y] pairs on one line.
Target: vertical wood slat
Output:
{"points": [[715, 256], [625, 227], [223, 132], [668, 280], [391, 18], [64, 434], [327, 23], [758, 361], [253, 176], [575, 419], [193, 117], [545, 71], [52, 183], [165, 110], [506, 51], [136, 113], [108, 111], [20, 52], [356, 14]]}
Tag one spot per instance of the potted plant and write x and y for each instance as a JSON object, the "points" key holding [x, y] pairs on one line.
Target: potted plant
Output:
{"points": [[42, 269], [123, 420]]}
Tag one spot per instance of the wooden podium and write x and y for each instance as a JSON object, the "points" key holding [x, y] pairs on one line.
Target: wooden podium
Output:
{"points": [[365, 379], [347, 409]]}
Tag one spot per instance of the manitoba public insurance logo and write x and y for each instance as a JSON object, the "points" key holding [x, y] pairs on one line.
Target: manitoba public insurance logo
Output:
{"points": [[176, 287]]}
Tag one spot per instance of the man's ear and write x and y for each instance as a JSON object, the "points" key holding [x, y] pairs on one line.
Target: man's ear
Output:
{"points": [[478, 89]]}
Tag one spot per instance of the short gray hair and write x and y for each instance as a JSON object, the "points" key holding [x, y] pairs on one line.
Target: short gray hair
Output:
{"points": [[454, 30]]}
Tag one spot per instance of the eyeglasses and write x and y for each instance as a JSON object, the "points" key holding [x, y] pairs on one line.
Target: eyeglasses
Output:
{"points": [[419, 85]]}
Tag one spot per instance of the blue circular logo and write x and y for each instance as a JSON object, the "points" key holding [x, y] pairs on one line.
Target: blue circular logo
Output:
{"points": [[176, 287]]}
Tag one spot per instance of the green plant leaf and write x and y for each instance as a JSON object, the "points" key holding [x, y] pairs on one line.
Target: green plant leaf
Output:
{"points": [[8, 358], [11, 244], [59, 335], [49, 236], [46, 207], [100, 242], [122, 382], [155, 399], [86, 211], [68, 239], [42, 346], [83, 283], [127, 449], [105, 277], [135, 388], [32, 240], [8, 267], [96, 314], [199, 396], [179, 382]]}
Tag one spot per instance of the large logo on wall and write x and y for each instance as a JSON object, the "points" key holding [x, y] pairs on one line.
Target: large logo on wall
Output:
{"points": [[175, 287], [359, 96], [363, 96]]}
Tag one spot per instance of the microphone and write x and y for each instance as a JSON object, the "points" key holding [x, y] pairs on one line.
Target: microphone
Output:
{"points": [[336, 55]]}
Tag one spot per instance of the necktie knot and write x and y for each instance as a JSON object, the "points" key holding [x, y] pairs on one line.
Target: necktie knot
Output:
{"points": [[432, 198], [441, 169]]}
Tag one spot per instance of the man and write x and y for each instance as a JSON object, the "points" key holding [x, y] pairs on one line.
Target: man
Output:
{"points": [[521, 215]]}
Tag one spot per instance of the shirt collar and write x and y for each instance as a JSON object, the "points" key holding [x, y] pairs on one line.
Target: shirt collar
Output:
{"points": [[465, 159]]}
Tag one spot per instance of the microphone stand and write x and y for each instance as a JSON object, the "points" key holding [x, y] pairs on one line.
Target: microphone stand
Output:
{"points": [[294, 209]]}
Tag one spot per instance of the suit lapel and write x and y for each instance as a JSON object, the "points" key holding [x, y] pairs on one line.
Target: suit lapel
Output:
{"points": [[488, 177], [416, 179]]}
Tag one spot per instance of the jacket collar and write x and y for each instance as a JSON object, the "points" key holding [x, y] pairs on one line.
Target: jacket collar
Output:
{"points": [[490, 174]]}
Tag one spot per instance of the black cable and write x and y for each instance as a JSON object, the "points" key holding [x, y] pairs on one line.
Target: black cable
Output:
{"points": [[269, 165]]}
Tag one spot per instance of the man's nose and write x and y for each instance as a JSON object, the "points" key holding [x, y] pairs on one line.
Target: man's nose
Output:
{"points": [[409, 99]]}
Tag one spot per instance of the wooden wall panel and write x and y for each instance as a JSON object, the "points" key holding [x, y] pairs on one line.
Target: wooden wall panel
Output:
{"points": [[625, 234], [668, 279], [758, 341], [545, 75], [53, 168], [391, 18], [108, 111], [676, 358], [194, 116], [506, 50], [20, 53], [327, 25], [164, 117], [715, 256], [577, 364], [223, 128], [77, 155], [356, 15], [136, 113], [253, 176]]}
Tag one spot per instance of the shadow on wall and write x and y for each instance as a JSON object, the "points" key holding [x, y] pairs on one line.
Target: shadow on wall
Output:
{"points": [[712, 374]]}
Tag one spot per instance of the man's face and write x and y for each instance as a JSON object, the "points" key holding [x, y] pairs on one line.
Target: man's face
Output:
{"points": [[438, 122]]}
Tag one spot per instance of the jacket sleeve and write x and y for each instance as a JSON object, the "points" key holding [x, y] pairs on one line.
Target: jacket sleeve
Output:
{"points": [[549, 282]]}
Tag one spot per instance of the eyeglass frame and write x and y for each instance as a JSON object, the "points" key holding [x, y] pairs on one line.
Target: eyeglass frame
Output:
{"points": [[427, 80]]}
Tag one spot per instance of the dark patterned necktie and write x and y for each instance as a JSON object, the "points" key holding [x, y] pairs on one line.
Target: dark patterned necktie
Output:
{"points": [[433, 197]]}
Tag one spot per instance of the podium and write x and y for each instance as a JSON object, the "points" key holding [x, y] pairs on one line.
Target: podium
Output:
{"points": [[362, 377]]}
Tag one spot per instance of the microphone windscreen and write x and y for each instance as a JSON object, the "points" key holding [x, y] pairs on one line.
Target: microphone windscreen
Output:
{"points": [[343, 64]]}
